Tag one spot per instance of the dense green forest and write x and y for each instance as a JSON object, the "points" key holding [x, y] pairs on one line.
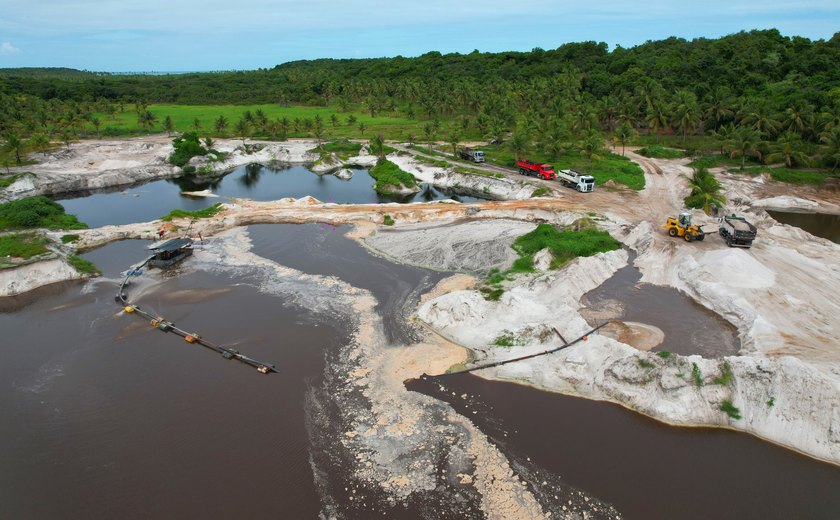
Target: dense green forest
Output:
{"points": [[758, 96]]}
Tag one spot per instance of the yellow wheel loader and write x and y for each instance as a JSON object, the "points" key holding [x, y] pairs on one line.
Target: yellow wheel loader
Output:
{"points": [[681, 226]]}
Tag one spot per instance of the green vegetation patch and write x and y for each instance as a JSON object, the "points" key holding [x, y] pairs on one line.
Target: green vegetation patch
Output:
{"points": [[388, 176], [696, 375], [67, 239], [82, 265], [388, 220], [726, 375], [36, 212], [186, 146], [199, 213], [507, 339], [565, 245], [8, 180], [23, 245], [661, 152], [542, 190], [644, 363], [664, 354], [790, 175], [342, 146], [730, 409]]}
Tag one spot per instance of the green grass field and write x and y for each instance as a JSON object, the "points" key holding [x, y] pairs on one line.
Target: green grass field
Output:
{"points": [[389, 125]]}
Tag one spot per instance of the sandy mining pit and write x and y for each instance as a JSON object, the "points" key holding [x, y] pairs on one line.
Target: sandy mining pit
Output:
{"points": [[780, 297]]}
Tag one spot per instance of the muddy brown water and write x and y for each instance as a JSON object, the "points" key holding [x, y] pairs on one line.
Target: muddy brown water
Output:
{"points": [[105, 417], [644, 468], [818, 224], [689, 327]]}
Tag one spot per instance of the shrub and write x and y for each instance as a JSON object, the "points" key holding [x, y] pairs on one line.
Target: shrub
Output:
{"points": [[539, 192], [23, 245], [771, 402], [199, 213], [565, 245], [388, 220], [726, 375], [492, 293], [186, 146], [66, 239], [34, 212], [644, 363], [730, 409], [388, 175], [507, 339], [696, 375], [664, 354], [82, 265], [661, 152]]}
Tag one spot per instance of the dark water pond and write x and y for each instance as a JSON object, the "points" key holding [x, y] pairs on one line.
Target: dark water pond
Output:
{"points": [[152, 200], [689, 327], [818, 224]]}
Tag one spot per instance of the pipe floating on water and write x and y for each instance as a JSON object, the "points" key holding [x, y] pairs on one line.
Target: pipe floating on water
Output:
{"points": [[190, 337], [565, 345]]}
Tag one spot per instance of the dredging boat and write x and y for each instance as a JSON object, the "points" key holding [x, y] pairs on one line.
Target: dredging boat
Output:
{"points": [[166, 253]]}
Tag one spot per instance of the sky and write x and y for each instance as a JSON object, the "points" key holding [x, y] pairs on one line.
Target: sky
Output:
{"points": [[202, 35]]}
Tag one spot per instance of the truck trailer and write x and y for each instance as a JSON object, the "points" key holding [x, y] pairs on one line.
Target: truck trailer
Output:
{"points": [[737, 232], [534, 169], [572, 179], [468, 154]]}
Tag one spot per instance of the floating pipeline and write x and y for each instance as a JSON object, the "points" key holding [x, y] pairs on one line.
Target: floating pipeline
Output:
{"points": [[565, 345], [190, 337]]}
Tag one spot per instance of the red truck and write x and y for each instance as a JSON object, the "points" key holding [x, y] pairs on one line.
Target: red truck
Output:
{"points": [[543, 171]]}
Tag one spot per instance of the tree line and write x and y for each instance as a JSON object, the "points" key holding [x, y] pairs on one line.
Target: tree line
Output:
{"points": [[757, 95]]}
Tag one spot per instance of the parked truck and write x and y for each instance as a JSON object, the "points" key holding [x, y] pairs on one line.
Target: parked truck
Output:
{"points": [[543, 171], [737, 232], [572, 179], [468, 154]]}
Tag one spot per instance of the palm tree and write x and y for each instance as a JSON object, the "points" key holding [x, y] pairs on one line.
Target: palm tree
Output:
{"points": [[96, 124], [242, 127], [705, 191], [168, 126], [686, 112], [745, 142], [220, 124], [624, 133], [799, 117], [453, 140], [788, 147], [831, 139], [40, 141], [723, 136], [429, 132], [592, 143], [718, 106], [13, 143], [762, 120], [520, 142], [377, 146]]}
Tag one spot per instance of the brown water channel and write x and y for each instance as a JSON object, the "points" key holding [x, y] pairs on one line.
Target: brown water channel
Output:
{"points": [[105, 417], [646, 469]]}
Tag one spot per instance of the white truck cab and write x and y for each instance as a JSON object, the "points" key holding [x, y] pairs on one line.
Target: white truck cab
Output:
{"points": [[572, 179]]}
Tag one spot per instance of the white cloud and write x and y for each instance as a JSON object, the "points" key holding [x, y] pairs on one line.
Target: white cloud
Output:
{"points": [[8, 48]]}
